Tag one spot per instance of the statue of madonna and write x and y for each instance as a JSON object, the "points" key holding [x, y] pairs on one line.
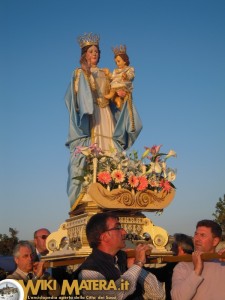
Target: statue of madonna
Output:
{"points": [[93, 119]]}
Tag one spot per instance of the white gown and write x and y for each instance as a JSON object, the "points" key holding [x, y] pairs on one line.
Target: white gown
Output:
{"points": [[102, 120]]}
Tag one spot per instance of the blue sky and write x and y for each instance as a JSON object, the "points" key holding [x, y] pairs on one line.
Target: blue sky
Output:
{"points": [[178, 50]]}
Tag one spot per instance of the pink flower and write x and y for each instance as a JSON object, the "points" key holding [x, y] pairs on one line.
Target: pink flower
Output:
{"points": [[143, 183], [155, 149], [104, 177], [165, 185], [95, 149], [118, 176], [133, 181], [84, 150], [78, 150]]}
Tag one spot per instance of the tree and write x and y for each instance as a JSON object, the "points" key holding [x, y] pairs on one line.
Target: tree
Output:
{"points": [[7, 243], [220, 213]]}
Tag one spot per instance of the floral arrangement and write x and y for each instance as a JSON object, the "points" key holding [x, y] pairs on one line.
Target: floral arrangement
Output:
{"points": [[116, 169]]}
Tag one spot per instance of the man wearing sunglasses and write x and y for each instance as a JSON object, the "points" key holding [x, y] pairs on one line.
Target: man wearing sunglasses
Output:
{"points": [[40, 237], [107, 262]]}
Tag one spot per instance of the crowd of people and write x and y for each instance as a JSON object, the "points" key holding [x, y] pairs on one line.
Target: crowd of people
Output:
{"points": [[194, 280]]}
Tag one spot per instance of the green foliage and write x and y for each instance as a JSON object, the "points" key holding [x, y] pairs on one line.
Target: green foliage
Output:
{"points": [[220, 213], [7, 243]]}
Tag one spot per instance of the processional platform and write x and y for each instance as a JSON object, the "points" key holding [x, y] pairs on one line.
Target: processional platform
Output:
{"points": [[69, 244]]}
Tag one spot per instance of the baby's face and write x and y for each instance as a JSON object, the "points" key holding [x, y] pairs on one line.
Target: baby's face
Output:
{"points": [[120, 62]]}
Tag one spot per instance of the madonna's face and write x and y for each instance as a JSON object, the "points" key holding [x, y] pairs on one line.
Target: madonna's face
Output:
{"points": [[92, 56]]}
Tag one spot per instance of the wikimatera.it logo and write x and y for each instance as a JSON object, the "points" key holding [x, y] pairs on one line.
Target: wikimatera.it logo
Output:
{"points": [[72, 288]]}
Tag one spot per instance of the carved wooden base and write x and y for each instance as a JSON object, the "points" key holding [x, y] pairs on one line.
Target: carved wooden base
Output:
{"points": [[127, 200], [70, 240]]}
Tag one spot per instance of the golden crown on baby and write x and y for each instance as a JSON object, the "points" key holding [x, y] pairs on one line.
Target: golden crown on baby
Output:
{"points": [[88, 39], [119, 50]]}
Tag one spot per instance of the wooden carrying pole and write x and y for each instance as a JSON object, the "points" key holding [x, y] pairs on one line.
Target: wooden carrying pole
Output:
{"points": [[150, 258]]}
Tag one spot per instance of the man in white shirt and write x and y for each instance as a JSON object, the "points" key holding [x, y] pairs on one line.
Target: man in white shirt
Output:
{"points": [[199, 280]]}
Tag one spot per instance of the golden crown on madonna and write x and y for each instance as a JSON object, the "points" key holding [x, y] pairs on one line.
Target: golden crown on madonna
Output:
{"points": [[119, 50], [88, 39]]}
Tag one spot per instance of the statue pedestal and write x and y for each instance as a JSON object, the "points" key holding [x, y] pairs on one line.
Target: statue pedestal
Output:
{"points": [[70, 240]]}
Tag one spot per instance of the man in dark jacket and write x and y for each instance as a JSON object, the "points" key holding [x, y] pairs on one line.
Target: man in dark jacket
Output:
{"points": [[106, 236]]}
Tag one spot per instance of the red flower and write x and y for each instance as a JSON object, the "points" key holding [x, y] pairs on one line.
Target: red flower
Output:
{"points": [[143, 183], [104, 177], [133, 181], [165, 185]]}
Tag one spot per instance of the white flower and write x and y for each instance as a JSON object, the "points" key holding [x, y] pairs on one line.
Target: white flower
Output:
{"points": [[154, 167], [87, 180], [171, 176], [146, 153], [171, 153], [163, 164]]}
